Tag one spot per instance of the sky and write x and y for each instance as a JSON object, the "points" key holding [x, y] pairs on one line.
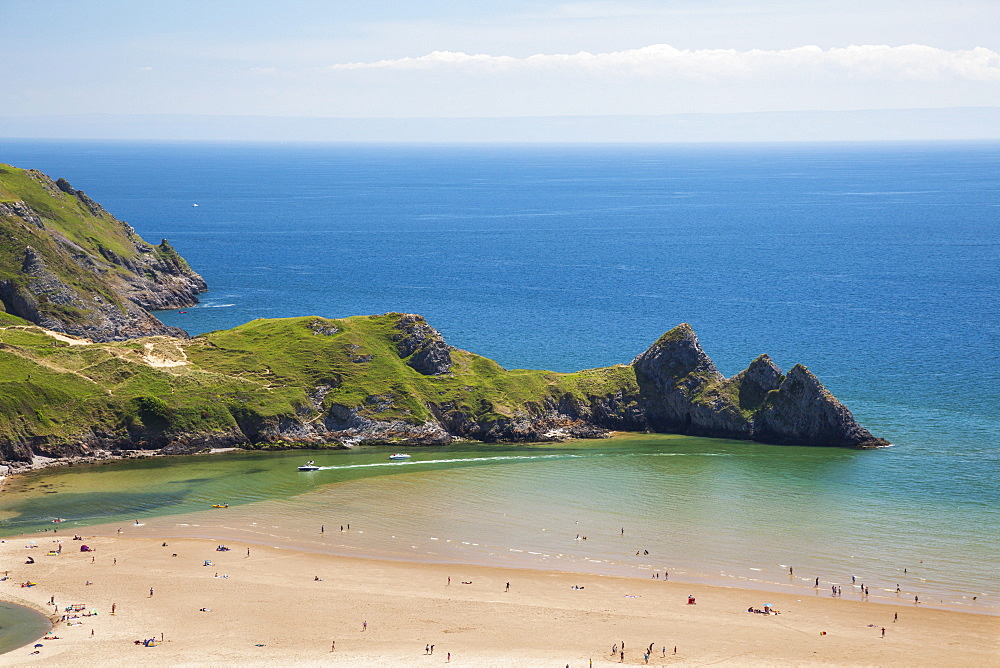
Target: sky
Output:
{"points": [[516, 58]]}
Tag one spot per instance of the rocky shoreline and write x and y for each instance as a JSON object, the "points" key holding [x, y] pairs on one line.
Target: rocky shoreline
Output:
{"points": [[386, 379]]}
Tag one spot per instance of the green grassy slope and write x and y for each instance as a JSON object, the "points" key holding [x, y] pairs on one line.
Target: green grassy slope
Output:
{"points": [[84, 266], [257, 376]]}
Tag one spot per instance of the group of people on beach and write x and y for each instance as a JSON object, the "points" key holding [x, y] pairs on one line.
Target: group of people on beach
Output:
{"points": [[620, 652]]}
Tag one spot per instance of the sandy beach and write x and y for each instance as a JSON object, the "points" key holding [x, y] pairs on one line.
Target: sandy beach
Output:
{"points": [[257, 605]]}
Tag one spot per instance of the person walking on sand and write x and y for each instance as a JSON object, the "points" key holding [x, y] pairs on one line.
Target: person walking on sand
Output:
{"points": [[895, 616], [333, 645], [507, 588], [432, 650], [364, 625], [883, 631], [113, 606], [151, 592], [449, 658], [427, 649]]}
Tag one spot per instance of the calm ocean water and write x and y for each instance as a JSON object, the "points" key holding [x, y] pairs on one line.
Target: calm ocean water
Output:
{"points": [[878, 266]]}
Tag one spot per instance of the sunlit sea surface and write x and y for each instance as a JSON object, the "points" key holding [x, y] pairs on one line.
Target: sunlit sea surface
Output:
{"points": [[878, 266]]}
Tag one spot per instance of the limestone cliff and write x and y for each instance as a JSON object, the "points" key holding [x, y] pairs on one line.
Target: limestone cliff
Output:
{"points": [[681, 391], [68, 265], [308, 382]]}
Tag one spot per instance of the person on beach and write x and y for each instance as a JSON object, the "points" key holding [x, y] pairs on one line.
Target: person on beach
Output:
{"points": [[449, 579], [507, 587], [322, 528], [916, 599], [364, 625], [427, 649], [449, 657], [432, 650], [883, 631], [333, 645], [150, 592], [113, 606], [895, 616], [790, 571], [817, 582]]}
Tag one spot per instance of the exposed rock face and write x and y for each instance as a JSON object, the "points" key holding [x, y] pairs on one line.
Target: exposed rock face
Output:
{"points": [[70, 266], [681, 391], [803, 412], [225, 392], [423, 345]]}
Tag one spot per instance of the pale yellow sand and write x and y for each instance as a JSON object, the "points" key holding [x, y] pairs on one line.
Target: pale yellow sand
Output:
{"points": [[271, 598]]}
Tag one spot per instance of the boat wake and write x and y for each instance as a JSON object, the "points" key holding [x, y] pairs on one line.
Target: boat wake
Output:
{"points": [[397, 464]]}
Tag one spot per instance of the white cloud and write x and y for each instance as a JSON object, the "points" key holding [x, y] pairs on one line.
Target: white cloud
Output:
{"points": [[912, 61], [145, 69]]}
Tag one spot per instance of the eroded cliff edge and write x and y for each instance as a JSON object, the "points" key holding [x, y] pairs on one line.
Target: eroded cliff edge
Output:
{"points": [[70, 269], [386, 379], [70, 266]]}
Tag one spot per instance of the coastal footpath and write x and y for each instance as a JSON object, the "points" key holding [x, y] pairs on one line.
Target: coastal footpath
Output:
{"points": [[87, 372]]}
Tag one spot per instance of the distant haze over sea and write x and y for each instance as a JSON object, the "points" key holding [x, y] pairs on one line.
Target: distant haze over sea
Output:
{"points": [[960, 123]]}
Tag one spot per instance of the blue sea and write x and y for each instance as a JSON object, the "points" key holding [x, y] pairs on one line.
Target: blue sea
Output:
{"points": [[876, 265]]}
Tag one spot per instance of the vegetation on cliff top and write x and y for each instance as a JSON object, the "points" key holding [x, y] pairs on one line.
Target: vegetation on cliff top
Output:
{"points": [[67, 263], [260, 373]]}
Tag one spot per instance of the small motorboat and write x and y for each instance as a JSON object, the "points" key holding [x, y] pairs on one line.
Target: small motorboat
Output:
{"points": [[311, 466], [220, 505], [399, 456]]}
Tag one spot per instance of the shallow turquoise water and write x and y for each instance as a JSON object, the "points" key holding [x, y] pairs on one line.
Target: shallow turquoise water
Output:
{"points": [[705, 510], [873, 264]]}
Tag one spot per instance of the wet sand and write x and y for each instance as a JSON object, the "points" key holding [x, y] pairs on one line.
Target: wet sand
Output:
{"points": [[270, 609]]}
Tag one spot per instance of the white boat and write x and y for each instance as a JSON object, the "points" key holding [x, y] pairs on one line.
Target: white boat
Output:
{"points": [[311, 466], [399, 456]]}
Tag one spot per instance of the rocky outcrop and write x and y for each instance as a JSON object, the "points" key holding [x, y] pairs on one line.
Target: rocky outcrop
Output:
{"points": [[422, 346], [802, 412], [315, 382], [681, 391], [70, 266]]}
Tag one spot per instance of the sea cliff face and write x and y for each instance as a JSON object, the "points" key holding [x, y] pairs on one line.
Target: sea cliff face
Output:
{"points": [[68, 265], [389, 379], [70, 269]]}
